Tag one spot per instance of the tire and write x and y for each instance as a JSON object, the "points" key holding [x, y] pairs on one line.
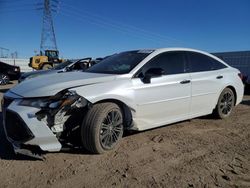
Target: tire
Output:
{"points": [[102, 128], [225, 104], [4, 79], [46, 67]]}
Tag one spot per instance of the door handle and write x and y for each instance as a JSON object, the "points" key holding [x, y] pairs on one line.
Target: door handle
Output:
{"points": [[185, 82], [219, 77]]}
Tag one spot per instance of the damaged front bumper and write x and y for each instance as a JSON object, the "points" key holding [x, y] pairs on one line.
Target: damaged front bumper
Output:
{"points": [[28, 150], [15, 116], [28, 127]]}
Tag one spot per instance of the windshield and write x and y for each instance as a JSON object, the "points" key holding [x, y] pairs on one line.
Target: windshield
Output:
{"points": [[121, 63], [63, 65]]}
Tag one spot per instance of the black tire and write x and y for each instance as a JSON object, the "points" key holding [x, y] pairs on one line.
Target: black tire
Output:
{"points": [[225, 104], [46, 67], [4, 79], [102, 128]]}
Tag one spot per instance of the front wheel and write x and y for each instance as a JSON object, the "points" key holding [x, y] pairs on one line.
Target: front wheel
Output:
{"points": [[102, 128], [4, 79], [225, 104], [46, 67]]}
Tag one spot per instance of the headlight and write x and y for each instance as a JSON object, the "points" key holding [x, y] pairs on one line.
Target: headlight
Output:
{"points": [[61, 99], [36, 103]]}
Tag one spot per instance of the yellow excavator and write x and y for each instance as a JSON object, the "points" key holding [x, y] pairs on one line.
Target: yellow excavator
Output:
{"points": [[45, 60]]}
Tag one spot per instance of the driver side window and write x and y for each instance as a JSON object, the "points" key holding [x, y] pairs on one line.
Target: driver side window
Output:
{"points": [[170, 62]]}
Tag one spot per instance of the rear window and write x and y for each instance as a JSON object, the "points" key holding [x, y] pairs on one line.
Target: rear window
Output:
{"points": [[200, 62]]}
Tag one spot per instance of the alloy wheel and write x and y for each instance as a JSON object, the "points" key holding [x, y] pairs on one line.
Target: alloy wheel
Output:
{"points": [[226, 103], [111, 129], [4, 79]]}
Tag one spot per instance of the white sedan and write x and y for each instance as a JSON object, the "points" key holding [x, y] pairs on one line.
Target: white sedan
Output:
{"points": [[133, 90]]}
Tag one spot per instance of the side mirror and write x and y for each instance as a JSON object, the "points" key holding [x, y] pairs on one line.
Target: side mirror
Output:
{"points": [[152, 73]]}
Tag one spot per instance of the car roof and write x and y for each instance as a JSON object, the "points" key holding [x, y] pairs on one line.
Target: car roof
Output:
{"points": [[180, 49], [4, 63], [8, 65], [158, 51]]}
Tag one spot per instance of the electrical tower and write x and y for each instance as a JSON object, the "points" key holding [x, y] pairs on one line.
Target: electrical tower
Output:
{"points": [[48, 38]]}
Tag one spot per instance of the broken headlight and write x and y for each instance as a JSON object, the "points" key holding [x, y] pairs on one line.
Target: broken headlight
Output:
{"points": [[57, 109], [61, 99], [36, 103]]}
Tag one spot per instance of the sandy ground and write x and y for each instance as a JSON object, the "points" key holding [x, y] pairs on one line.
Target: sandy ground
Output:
{"points": [[203, 152]]}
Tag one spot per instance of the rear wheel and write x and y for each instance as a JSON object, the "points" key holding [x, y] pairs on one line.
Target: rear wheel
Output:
{"points": [[102, 128], [47, 67], [225, 104], [4, 79]]}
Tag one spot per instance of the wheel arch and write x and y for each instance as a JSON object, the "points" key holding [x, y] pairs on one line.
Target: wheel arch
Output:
{"points": [[126, 110], [234, 91]]}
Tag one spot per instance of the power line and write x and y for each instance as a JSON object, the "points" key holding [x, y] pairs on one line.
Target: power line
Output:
{"points": [[100, 23], [106, 25], [8, 1], [16, 6], [11, 6], [17, 10], [2, 49], [92, 18], [135, 29]]}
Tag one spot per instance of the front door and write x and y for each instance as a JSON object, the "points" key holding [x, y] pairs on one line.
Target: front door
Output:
{"points": [[167, 98]]}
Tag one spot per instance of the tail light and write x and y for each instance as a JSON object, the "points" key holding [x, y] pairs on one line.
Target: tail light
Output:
{"points": [[241, 76]]}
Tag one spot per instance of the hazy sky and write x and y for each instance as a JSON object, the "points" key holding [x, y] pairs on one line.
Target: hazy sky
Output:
{"points": [[99, 28]]}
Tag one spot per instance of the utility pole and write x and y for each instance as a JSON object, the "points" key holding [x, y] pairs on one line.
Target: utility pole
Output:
{"points": [[14, 55], [48, 38]]}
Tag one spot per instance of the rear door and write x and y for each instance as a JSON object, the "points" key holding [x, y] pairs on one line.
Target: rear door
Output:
{"points": [[207, 82]]}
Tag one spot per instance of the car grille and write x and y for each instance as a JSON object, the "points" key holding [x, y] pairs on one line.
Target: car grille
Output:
{"points": [[15, 128]]}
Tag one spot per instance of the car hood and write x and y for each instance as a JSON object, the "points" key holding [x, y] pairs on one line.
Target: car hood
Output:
{"points": [[36, 73], [50, 84]]}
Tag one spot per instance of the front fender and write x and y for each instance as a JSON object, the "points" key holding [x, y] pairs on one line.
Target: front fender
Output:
{"points": [[117, 90]]}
